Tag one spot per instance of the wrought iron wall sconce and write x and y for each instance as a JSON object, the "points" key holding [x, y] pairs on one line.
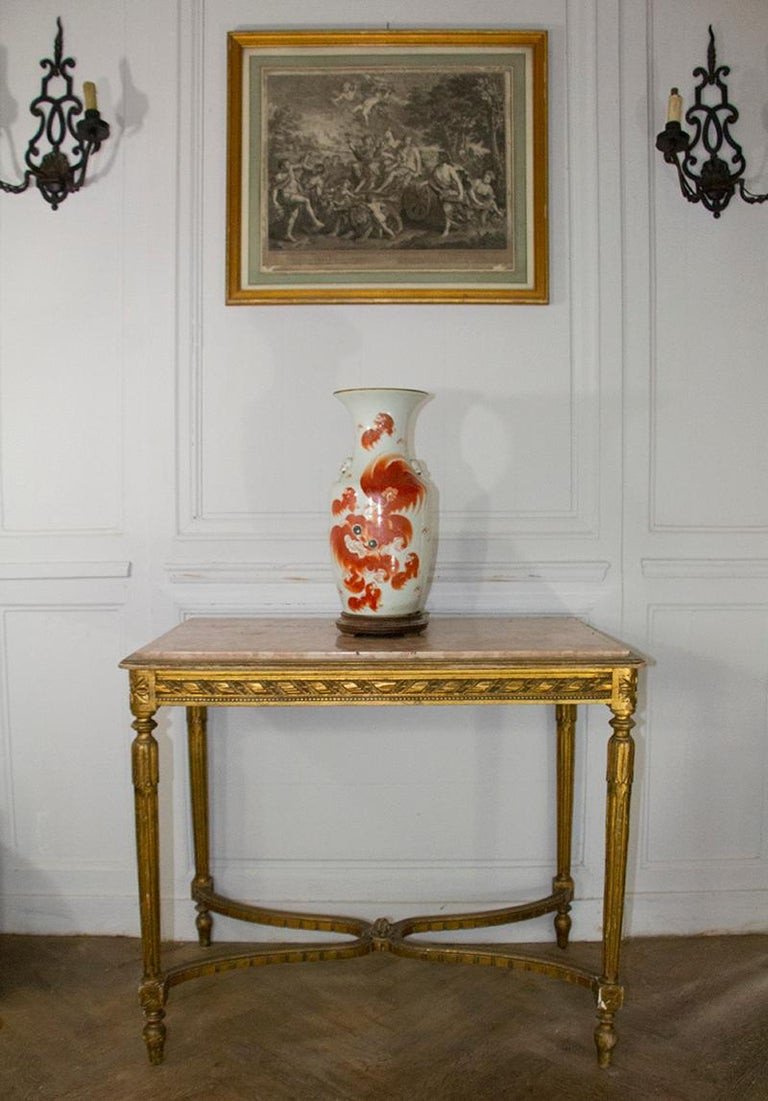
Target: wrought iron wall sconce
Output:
{"points": [[56, 172], [705, 176]]}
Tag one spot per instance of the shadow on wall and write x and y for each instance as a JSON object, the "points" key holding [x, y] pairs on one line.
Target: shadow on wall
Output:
{"points": [[501, 461], [515, 452], [9, 113], [130, 111]]}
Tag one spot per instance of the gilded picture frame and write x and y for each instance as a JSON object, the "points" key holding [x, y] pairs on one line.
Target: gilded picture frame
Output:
{"points": [[387, 166]]}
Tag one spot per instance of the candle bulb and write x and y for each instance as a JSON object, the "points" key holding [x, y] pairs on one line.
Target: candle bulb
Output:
{"points": [[89, 95], [675, 106]]}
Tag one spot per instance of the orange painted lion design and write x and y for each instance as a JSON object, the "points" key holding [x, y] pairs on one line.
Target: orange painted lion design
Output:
{"points": [[382, 425], [370, 542]]}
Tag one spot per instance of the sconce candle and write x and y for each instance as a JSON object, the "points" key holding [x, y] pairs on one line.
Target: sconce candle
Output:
{"points": [[89, 96], [675, 106]]}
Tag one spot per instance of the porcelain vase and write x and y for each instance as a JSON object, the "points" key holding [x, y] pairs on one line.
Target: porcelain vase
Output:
{"points": [[383, 532]]}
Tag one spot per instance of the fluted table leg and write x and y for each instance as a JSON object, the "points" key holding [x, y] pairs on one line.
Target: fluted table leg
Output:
{"points": [[152, 991], [566, 731], [621, 751], [197, 739]]}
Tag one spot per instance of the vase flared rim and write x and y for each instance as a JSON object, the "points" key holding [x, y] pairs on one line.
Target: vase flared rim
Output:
{"points": [[380, 389]]}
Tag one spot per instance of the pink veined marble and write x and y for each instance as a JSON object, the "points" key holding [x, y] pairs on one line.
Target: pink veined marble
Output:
{"points": [[478, 639]]}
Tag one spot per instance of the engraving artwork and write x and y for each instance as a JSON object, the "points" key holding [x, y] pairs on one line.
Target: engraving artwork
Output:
{"points": [[369, 161]]}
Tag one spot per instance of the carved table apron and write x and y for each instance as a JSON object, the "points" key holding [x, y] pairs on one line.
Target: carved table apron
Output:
{"points": [[241, 662]]}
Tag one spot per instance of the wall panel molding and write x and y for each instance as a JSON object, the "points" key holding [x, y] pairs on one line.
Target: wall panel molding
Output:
{"points": [[191, 254], [702, 479], [188, 573], [198, 518], [733, 569], [61, 571], [675, 913]]}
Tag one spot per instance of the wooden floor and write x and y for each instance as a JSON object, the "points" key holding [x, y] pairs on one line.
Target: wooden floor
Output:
{"points": [[695, 1027]]}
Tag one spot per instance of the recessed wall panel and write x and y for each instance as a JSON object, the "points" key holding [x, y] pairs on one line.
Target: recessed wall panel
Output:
{"points": [[388, 785], [509, 437], [709, 287], [61, 294], [706, 734], [69, 737]]}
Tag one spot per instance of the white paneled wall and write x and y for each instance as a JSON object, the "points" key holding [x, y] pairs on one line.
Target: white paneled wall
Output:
{"points": [[164, 455]]}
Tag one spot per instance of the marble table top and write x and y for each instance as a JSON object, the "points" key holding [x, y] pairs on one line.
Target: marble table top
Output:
{"points": [[241, 641]]}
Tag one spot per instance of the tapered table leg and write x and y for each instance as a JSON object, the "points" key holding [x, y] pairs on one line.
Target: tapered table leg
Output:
{"points": [[621, 750], [197, 740], [566, 732], [152, 991]]}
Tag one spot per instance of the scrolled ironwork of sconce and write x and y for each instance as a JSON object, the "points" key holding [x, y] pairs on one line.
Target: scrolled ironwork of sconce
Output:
{"points": [[58, 173], [705, 176]]}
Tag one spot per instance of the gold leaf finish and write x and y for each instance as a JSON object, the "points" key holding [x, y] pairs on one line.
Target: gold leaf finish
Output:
{"points": [[258, 663], [239, 687]]}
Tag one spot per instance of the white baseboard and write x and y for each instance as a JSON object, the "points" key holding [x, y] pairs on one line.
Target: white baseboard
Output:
{"points": [[684, 914]]}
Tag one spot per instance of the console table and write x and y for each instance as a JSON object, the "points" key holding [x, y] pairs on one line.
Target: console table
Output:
{"points": [[239, 662]]}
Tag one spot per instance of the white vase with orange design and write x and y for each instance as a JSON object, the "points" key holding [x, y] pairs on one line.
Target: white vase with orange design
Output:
{"points": [[383, 517]]}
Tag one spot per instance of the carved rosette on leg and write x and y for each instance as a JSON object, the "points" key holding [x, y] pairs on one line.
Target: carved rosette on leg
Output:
{"points": [[383, 518]]}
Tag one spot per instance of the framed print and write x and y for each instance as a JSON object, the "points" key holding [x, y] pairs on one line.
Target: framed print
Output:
{"points": [[387, 166]]}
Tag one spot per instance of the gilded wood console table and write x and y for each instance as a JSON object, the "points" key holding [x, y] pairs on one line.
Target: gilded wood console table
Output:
{"points": [[237, 662]]}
